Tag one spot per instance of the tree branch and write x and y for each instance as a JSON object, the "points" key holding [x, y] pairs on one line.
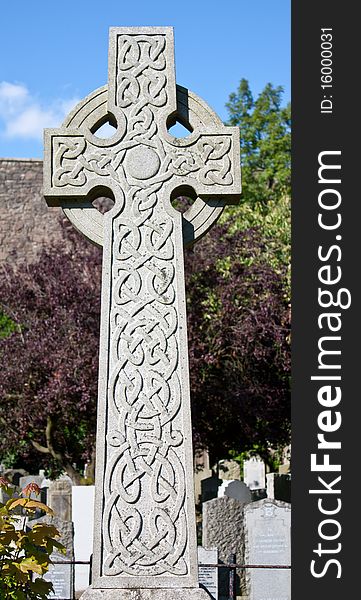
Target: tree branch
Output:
{"points": [[39, 447]]}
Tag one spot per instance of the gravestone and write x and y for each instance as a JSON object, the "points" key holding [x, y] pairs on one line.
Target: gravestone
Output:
{"points": [[229, 469], [254, 473], [235, 489], [208, 576], [145, 530], [267, 535], [59, 498], [285, 466], [60, 573], [279, 486], [223, 526]]}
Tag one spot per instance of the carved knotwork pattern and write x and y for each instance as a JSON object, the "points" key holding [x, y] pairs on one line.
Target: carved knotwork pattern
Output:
{"points": [[145, 528], [77, 161], [140, 93], [141, 77]]}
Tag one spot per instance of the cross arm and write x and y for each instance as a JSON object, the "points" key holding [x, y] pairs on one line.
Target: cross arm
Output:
{"points": [[209, 163], [75, 168]]}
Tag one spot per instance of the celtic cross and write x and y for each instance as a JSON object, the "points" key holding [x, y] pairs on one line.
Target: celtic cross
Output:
{"points": [[144, 538]]}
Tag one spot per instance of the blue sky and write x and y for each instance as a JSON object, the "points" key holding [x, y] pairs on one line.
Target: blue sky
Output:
{"points": [[55, 53]]}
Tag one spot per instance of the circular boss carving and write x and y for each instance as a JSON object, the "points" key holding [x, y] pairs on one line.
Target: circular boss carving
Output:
{"points": [[143, 163]]}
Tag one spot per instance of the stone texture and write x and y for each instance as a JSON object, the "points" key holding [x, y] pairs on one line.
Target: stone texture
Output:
{"points": [[26, 223], [59, 498], [145, 534], [267, 535], [223, 529], [235, 489], [229, 469], [223, 526], [4, 497]]}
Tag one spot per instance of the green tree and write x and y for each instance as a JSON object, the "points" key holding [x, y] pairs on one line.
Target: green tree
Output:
{"points": [[265, 142], [265, 139]]}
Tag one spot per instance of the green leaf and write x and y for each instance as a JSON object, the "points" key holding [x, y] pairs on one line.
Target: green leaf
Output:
{"points": [[30, 564], [41, 532]]}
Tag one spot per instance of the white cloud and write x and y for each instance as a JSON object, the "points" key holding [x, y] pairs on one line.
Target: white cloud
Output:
{"points": [[23, 116], [12, 96]]}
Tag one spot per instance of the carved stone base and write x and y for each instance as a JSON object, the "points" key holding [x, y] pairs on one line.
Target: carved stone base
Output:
{"points": [[146, 594]]}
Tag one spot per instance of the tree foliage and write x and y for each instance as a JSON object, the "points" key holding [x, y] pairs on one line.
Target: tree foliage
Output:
{"points": [[265, 140], [238, 327], [48, 387]]}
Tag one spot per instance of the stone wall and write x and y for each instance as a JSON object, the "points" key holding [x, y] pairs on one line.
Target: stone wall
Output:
{"points": [[26, 223]]}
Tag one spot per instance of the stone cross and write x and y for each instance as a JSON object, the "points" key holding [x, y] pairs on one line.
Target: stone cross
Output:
{"points": [[145, 537]]}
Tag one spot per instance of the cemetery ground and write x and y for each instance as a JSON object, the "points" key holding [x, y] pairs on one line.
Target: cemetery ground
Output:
{"points": [[144, 530]]}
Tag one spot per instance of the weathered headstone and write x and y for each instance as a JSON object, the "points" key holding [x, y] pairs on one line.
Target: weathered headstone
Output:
{"points": [[145, 532], [223, 526], [267, 533], [235, 489], [279, 486], [229, 469], [254, 473], [208, 575], [61, 573], [59, 498]]}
